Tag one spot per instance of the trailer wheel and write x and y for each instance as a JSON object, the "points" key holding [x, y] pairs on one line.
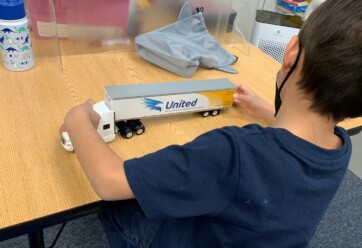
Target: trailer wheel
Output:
{"points": [[205, 114], [139, 130], [215, 112]]}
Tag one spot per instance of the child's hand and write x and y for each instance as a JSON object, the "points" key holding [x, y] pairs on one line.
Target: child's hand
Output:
{"points": [[252, 104], [79, 114]]}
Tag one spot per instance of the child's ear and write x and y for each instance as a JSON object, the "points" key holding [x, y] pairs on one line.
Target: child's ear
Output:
{"points": [[290, 54]]}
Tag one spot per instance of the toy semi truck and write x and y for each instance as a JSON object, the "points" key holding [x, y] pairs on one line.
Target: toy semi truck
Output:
{"points": [[125, 105]]}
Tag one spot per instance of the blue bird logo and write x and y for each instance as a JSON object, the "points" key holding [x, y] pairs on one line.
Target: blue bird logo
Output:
{"points": [[152, 104]]}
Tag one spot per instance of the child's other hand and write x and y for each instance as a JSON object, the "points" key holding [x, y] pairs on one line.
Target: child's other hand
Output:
{"points": [[252, 104], [79, 114]]}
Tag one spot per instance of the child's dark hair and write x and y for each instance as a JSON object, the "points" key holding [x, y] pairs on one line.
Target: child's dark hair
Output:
{"points": [[332, 69]]}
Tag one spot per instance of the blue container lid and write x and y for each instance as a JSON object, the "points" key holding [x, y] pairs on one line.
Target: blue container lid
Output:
{"points": [[12, 9]]}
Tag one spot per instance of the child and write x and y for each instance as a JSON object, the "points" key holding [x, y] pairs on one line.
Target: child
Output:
{"points": [[242, 186]]}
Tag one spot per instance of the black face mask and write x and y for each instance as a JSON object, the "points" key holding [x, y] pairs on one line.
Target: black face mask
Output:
{"points": [[277, 99]]}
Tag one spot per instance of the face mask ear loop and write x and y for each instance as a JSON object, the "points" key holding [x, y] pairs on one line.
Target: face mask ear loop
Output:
{"points": [[292, 68]]}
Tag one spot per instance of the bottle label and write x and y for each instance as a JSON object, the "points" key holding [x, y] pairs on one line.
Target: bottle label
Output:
{"points": [[16, 47]]}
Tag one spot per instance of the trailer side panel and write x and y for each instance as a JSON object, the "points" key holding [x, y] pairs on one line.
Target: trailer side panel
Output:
{"points": [[150, 100]]}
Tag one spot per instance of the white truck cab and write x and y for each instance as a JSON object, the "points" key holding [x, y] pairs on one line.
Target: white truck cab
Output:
{"points": [[106, 127]]}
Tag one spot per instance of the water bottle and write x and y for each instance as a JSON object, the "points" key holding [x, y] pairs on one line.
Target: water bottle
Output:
{"points": [[15, 42]]}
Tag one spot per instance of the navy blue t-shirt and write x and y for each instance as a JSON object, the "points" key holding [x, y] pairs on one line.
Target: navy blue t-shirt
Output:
{"points": [[238, 187]]}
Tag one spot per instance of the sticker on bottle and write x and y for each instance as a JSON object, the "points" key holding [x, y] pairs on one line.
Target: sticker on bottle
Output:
{"points": [[16, 47]]}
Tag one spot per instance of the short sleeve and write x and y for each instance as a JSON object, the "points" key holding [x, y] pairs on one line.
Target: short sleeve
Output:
{"points": [[198, 178]]}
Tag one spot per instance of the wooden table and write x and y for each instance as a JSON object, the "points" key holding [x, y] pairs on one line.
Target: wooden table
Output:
{"points": [[41, 183]]}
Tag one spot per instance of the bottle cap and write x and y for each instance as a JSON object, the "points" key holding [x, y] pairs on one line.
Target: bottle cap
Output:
{"points": [[12, 10]]}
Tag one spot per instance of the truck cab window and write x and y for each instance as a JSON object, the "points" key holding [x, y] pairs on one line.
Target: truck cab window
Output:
{"points": [[107, 126]]}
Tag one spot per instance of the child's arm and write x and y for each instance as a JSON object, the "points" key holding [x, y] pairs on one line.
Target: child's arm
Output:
{"points": [[103, 167], [253, 105]]}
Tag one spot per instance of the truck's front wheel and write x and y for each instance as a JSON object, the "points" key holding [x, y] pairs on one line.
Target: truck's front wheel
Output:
{"points": [[124, 130], [136, 126], [127, 135]]}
